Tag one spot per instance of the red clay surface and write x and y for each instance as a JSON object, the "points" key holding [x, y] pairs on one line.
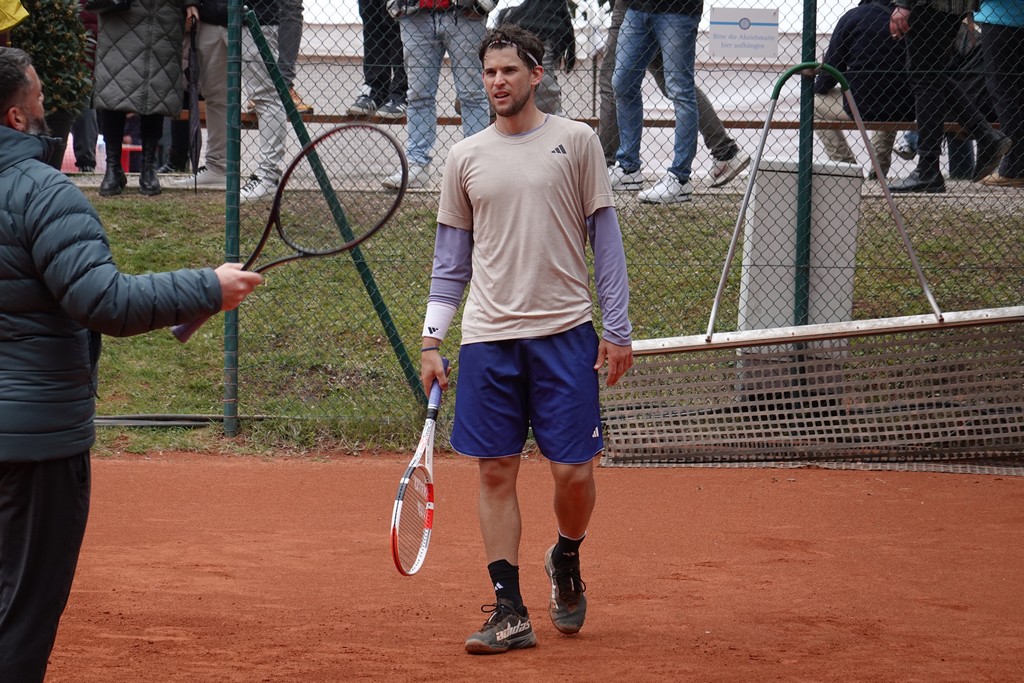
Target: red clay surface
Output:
{"points": [[208, 568]]}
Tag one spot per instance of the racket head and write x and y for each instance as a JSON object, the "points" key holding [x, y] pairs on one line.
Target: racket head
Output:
{"points": [[412, 518], [331, 197]]}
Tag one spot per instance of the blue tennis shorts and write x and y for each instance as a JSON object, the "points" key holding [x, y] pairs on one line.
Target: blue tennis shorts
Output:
{"points": [[506, 387]]}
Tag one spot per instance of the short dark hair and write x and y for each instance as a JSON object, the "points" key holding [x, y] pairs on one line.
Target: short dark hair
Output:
{"points": [[528, 46], [14, 64]]}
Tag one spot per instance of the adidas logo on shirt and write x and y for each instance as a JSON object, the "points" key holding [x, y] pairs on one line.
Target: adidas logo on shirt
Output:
{"points": [[559, 150]]}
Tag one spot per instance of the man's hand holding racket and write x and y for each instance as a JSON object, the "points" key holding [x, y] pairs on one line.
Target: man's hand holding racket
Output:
{"points": [[432, 365], [235, 284]]}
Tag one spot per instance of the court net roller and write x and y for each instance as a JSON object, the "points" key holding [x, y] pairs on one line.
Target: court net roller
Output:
{"points": [[872, 390], [944, 387]]}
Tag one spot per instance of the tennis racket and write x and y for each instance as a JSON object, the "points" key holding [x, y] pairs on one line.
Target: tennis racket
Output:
{"points": [[330, 199], [412, 518]]}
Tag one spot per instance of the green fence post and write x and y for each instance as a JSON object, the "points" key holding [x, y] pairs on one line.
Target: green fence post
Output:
{"points": [[805, 168], [231, 216]]}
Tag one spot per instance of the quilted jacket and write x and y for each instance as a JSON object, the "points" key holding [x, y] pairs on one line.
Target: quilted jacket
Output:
{"points": [[59, 290], [138, 59]]}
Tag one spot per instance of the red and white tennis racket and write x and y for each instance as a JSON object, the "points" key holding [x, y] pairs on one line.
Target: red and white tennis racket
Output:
{"points": [[412, 518]]}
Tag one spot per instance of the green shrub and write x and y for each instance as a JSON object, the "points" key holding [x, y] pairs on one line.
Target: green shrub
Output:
{"points": [[56, 39]]}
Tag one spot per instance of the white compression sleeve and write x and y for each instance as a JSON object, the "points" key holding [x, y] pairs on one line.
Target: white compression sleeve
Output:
{"points": [[438, 319]]}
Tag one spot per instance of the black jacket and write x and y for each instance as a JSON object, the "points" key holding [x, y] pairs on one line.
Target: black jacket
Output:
{"points": [[873, 63], [59, 289], [216, 11], [550, 21]]}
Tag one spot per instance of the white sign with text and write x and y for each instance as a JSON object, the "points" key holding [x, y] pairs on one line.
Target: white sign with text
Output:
{"points": [[737, 32]]}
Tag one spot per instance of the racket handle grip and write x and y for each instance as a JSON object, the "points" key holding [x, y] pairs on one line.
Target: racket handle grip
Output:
{"points": [[434, 399], [185, 330]]}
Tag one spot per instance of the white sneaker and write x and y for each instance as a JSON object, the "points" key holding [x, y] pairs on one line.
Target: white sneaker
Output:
{"points": [[668, 190], [622, 180], [363, 106], [255, 189], [418, 177], [392, 110], [724, 171], [204, 177], [903, 148]]}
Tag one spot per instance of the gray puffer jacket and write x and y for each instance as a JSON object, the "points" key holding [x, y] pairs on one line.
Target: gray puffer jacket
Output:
{"points": [[138, 59], [59, 289]]}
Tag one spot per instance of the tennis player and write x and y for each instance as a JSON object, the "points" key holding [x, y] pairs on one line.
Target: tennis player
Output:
{"points": [[519, 201], [59, 290]]}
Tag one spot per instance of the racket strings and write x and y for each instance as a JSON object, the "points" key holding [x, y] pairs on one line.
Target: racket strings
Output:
{"points": [[335, 191], [415, 517]]}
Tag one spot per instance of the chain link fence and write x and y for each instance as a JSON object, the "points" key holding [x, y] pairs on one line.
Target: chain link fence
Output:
{"points": [[320, 351]]}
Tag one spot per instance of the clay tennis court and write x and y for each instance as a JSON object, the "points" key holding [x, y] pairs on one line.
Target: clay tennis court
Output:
{"points": [[215, 568]]}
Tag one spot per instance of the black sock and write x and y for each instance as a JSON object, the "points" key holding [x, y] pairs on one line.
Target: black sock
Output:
{"points": [[505, 579], [566, 554]]}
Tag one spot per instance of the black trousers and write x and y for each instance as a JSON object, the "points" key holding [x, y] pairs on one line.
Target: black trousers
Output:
{"points": [[43, 511], [113, 123], [383, 59], [85, 130], [930, 46], [1003, 47]]}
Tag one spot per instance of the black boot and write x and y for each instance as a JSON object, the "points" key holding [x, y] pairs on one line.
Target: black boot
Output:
{"points": [[177, 162], [149, 183], [114, 179], [992, 147]]}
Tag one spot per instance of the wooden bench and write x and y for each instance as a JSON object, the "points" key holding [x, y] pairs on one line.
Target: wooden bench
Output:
{"points": [[249, 121]]}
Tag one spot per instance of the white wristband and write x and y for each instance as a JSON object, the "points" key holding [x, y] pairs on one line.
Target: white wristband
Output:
{"points": [[438, 319]]}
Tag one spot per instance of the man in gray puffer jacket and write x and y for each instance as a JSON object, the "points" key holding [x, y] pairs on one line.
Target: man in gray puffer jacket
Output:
{"points": [[59, 291]]}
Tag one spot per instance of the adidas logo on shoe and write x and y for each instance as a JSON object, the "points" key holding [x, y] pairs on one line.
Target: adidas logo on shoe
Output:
{"points": [[507, 628], [511, 630]]}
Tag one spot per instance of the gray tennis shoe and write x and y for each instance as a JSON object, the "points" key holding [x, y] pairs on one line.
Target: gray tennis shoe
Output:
{"points": [[568, 607], [506, 629]]}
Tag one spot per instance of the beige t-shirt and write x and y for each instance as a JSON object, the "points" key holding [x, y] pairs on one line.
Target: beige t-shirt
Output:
{"points": [[526, 199]]}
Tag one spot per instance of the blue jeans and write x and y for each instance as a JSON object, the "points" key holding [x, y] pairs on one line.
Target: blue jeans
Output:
{"points": [[426, 37], [641, 36]]}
